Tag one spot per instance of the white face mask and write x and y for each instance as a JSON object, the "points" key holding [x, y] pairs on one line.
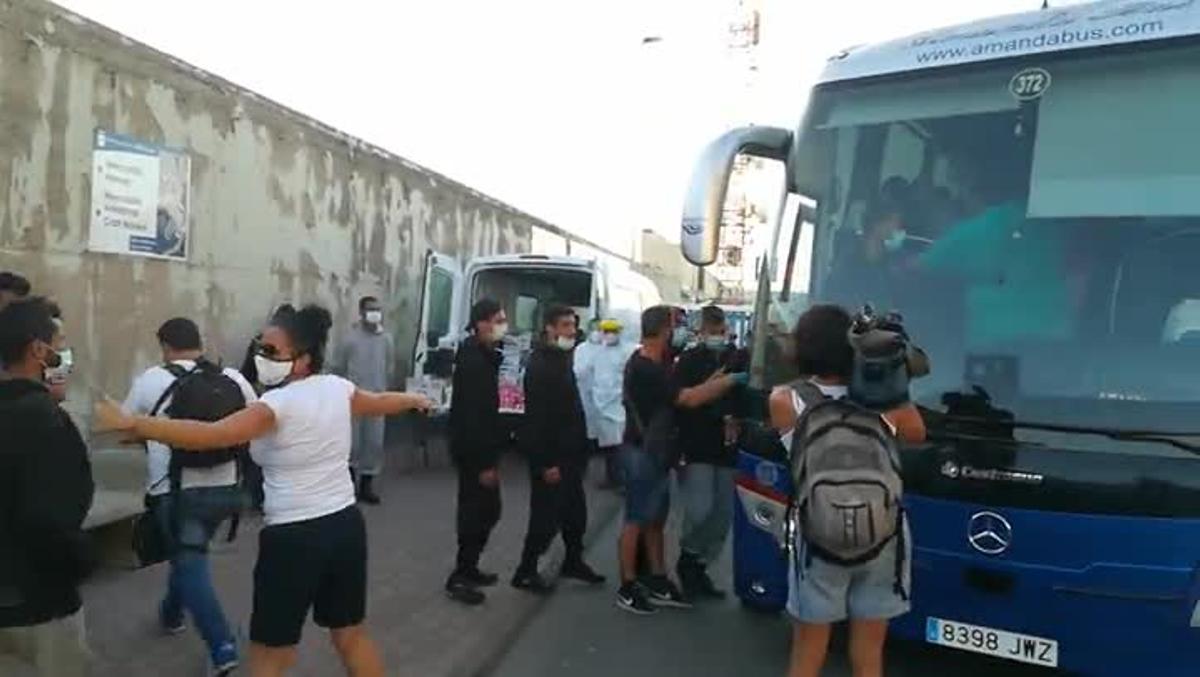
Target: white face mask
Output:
{"points": [[895, 241], [499, 331], [57, 375], [612, 339], [373, 317], [564, 343], [272, 373]]}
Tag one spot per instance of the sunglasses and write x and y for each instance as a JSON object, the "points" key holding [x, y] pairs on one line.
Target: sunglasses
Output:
{"points": [[268, 351]]}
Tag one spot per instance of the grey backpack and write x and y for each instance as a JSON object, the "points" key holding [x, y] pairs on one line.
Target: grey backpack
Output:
{"points": [[846, 474]]}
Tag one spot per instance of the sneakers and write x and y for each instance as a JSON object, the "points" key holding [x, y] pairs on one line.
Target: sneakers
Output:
{"points": [[460, 590], [531, 582], [366, 492], [479, 579], [695, 580], [170, 625], [225, 660], [580, 571], [632, 599], [661, 591]]}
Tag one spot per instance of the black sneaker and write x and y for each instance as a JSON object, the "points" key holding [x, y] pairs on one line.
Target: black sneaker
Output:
{"points": [[632, 598], [366, 491], [580, 571], [479, 579], [459, 590], [661, 591], [696, 582], [532, 582]]}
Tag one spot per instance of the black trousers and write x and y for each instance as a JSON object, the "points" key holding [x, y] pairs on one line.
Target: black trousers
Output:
{"points": [[478, 513], [554, 509], [252, 480]]}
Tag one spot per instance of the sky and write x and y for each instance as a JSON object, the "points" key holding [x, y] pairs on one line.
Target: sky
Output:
{"points": [[557, 108]]}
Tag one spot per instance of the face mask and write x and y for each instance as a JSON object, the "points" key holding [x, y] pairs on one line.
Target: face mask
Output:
{"points": [[611, 339], [499, 331], [52, 357], [272, 373], [715, 343], [373, 317], [564, 343], [679, 337], [56, 375], [895, 241]]}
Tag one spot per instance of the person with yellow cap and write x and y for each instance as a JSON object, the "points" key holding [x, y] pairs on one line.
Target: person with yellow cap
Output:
{"points": [[600, 379]]}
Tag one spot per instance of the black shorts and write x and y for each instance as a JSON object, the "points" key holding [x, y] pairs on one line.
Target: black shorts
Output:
{"points": [[319, 564]]}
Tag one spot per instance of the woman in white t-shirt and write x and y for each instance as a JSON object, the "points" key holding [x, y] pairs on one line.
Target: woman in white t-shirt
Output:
{"points": [[828, 593], [313, 549]]}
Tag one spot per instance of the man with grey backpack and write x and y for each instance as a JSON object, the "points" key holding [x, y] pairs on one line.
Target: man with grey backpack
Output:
{"points": [[847, 537]]}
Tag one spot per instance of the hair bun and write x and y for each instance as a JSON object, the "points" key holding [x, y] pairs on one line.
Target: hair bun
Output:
{"points": [[316, 321]]}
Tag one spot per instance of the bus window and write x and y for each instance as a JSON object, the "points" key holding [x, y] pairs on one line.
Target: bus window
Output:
{"points": [[1000, 243]]}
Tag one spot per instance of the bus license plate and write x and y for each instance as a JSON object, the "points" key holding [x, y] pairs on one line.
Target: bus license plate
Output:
{"points": [[999, 643]]}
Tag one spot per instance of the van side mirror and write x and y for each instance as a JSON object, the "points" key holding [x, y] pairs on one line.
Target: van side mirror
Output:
{"points": [[702, 210]]}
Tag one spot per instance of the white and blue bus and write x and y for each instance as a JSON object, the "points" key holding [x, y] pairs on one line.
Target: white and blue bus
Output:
{"points": [[1025, 191]]}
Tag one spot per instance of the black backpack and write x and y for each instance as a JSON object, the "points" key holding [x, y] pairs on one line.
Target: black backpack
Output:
{"points": [[203, 393]]}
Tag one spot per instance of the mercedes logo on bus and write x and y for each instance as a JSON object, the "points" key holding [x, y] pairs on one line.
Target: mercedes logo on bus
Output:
{"points": [[989, 533]]}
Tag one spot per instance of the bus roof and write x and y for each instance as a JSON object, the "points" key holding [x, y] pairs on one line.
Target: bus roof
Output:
{"points": [[1093, 24]]}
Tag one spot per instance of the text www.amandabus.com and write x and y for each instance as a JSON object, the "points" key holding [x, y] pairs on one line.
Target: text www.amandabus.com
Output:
{"points": [[1048, 39]]}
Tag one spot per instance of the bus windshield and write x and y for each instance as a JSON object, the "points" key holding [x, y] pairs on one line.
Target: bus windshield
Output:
{"points": [[1042, 248]]}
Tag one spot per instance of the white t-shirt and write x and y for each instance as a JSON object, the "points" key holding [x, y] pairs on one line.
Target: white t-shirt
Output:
{"points": [[306, 459], [833, 392], [144, 394]]}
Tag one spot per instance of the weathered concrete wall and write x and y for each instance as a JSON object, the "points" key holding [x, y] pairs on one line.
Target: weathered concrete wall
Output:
{"points": [[283, 208]]}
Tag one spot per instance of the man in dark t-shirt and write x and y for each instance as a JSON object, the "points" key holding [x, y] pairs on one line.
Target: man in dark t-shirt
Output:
{"points": [[706, 442], [647, 456]]}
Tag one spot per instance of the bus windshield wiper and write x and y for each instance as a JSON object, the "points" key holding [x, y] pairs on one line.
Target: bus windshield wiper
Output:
{"points": [[1120, 434]]}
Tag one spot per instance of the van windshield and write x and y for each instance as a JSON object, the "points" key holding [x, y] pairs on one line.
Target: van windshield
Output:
{"points": [[526, 292], [1041, 249]]}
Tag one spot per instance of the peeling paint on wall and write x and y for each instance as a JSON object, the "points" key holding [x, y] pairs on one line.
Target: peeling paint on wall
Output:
{"points": [[284, 208]]}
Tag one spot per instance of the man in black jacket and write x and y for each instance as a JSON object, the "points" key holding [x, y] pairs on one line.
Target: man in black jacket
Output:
{"points": [[45, 493], [554, 437], [707, 436], [476, 442]]}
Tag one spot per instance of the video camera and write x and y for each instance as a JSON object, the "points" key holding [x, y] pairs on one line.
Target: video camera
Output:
{"points": [[885, 360]]}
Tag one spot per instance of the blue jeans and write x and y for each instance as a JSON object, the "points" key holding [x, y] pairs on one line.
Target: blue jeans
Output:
{"points": [[189, 586], [707, 492]]}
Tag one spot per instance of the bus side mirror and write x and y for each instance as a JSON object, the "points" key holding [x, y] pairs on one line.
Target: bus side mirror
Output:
{"points": [[702, 210]]}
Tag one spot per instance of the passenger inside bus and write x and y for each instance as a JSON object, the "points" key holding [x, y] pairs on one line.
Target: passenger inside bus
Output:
{"points": [[867, 264]]}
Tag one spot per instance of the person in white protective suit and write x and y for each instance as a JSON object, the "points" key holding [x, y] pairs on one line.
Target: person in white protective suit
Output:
{"points": [[600, 375], [582, 356]]}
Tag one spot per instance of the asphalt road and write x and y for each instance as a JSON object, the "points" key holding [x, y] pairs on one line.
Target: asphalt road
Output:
{"points": [[580, 633]]}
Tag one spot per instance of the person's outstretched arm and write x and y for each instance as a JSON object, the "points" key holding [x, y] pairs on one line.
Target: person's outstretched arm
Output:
{"points": [[367, 403], [250, 423]]}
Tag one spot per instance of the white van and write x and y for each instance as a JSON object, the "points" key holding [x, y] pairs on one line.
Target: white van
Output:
{"points": [[524, 285]]}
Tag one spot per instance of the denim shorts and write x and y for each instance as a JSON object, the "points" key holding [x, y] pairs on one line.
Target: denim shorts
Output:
{"points": [[647, 487], [821, 592]]}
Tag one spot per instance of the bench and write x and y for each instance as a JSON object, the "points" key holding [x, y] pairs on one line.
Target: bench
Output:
{"points": [[119, 474]]}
